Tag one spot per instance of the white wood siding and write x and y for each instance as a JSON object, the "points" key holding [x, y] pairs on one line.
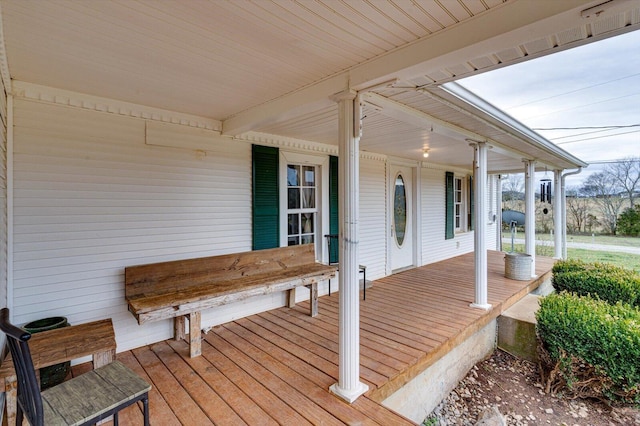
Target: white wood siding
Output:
{"points": [[434, 245], [91, 198], [373, 217]]}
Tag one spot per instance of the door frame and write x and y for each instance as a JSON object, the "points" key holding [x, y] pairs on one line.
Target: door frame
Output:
{"points": [[415, 209]]}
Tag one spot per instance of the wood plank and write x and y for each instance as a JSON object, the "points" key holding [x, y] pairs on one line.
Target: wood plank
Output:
{"points": [[163, 277], [200, 391], [329, 346], [181, 404], [261, 395], [159, 410], [287, 385], [229, 391]]}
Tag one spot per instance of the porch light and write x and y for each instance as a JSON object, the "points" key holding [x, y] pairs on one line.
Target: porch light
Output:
{"points": [[425, 153]]}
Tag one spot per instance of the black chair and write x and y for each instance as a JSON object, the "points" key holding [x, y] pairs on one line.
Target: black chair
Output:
{"points": [[83, 400], [332, 245]]}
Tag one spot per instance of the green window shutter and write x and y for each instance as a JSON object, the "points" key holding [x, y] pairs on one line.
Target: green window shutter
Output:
{"points": [[266, 204], [449, 230], [471, 205], [334, 220]]}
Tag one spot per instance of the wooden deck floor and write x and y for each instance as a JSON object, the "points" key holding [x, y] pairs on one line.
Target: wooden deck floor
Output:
{"points": [[276, 367]]}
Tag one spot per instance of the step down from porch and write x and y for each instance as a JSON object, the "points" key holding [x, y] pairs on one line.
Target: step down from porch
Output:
{"points": [[517, 328]]}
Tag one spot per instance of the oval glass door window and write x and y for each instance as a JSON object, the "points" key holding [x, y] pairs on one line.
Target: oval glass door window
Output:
{"points": [[400, 210]]}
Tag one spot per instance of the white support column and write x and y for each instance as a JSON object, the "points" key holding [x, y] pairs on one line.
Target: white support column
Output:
{"points": [[480, 229], [558, 217], [499, 212], [530, 212], [349, 386]]}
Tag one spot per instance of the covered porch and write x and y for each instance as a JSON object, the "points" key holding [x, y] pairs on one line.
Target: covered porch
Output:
{"points": [[277, 366]]}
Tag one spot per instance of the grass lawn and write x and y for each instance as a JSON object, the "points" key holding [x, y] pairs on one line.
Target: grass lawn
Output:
{"points": [[606, 239], [625, 260]]}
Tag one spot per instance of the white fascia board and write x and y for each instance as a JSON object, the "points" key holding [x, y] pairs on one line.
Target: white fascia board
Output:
{"points": [[491, 31], [497, 29], [509, 123]]}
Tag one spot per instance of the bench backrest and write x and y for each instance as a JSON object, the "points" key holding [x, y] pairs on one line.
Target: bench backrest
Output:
{"points": [[164, 277]]}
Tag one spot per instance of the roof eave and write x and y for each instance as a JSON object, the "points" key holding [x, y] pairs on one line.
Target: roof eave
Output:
{"points": [[510, 124]]}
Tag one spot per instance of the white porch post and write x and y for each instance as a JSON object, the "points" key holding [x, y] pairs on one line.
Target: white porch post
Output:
{"points": [[480, 215], [499, 212], [558, 218], [349, 386], [530, 212]]}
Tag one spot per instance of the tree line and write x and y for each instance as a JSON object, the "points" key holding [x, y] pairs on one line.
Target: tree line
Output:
{"points": [[606, 200], [615, 191]]}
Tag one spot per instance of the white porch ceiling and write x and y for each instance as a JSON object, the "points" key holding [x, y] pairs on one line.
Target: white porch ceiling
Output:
{"points": [[270, 66]]}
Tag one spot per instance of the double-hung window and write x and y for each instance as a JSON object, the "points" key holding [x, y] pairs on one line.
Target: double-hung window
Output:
{"points": [[458, 204], [302, 204]]}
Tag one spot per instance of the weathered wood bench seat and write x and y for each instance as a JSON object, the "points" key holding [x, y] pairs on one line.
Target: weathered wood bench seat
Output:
{"points": [[62, 344], [182, 289]]}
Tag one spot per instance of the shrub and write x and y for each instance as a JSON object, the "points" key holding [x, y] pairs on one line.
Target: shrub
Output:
{"points": [[592, 347], [629, 222], [610, 283]]}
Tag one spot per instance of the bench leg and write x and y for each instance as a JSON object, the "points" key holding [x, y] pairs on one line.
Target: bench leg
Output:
{"points": [[291, 298], [313, 299], [195, 334], [178, 328]]}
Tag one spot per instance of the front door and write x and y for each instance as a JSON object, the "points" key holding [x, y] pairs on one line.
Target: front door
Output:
{"points": [[402, 238]]}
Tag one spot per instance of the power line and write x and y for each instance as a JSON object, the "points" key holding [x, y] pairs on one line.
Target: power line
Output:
{"points": [[587, 127], [596, 137], [572, 91]]}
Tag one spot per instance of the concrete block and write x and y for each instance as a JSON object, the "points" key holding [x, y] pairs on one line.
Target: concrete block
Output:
{"points": [[517, 328], [417, 399]]}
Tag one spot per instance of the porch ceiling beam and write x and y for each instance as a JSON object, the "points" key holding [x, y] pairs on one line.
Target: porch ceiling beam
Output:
{"points": [[300, 102], [483, 34], [422, 120]]}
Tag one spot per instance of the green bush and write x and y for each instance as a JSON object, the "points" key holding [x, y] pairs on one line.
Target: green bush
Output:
{"points": [[629, 222], [607, 282], [595, 332]]}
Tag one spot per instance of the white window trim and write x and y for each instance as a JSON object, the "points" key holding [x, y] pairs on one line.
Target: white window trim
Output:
{"points": [[464, 205], [322, 225]]}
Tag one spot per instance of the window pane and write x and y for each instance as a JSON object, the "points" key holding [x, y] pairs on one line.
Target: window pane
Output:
{"points": [[307, 239], [293, 198], [309, 176], [292, 241], [293, 175], [294, 225], [307, 223], [308, 198], [400, 210]]}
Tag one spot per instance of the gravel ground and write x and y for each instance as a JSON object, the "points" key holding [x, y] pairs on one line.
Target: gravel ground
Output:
{"points": [[512, 386]]}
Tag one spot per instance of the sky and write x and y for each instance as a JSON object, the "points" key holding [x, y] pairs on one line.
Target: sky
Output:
{"points": [[596, 85]]}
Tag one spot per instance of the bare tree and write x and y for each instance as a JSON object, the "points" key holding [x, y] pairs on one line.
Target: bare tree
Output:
{"points": [[578, 210], [604, 190], [513, 191], [626, 174]]}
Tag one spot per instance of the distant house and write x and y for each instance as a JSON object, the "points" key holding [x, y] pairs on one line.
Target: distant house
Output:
{"points": [[143, 132]]}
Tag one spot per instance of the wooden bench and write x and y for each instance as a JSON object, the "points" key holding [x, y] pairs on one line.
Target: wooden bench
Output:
{"points": [[182, 289], [60, 345]]}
